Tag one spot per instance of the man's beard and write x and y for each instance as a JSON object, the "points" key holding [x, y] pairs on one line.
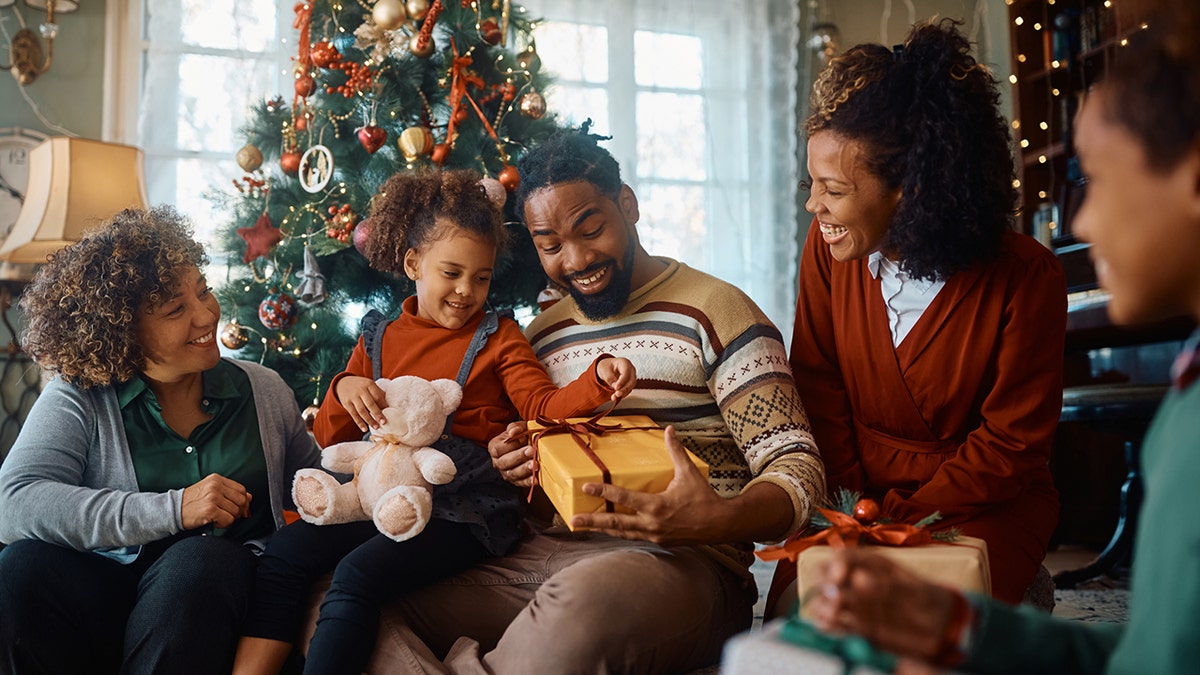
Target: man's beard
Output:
{"points": [[610, 301]]}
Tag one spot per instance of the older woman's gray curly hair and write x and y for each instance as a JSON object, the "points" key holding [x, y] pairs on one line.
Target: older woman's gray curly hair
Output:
{"points": [[84, 303]]}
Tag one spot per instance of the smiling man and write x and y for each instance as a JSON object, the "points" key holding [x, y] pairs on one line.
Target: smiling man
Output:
{"points": [[658, 590]]}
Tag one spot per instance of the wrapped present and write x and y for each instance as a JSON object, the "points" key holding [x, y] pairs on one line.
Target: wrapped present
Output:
{"points": [[628, 451], [944, 557], [961, 563]]}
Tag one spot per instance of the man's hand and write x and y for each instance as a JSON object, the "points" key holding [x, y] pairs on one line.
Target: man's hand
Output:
{"points": [[214, 500], [363, 399], [689, 511], [512, 456]]}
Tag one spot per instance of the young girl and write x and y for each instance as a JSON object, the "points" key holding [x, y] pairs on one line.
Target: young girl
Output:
{"points": [[441, 231]]}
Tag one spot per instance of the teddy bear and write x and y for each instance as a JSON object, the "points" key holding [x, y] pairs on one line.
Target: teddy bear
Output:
{"points": [[394, 471]]}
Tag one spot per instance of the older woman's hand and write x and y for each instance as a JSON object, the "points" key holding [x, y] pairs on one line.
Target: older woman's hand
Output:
{"points": [[871, 596], [512, 456], [214, 500]]}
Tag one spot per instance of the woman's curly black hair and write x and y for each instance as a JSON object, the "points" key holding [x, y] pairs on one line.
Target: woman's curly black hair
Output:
{"points": [[84, 303], [568, 155], [405, 211], [928, 115], [1153, 88]]}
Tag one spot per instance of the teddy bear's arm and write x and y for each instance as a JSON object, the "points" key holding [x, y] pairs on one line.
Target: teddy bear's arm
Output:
{"points": [[435, 466], [340, 457]]}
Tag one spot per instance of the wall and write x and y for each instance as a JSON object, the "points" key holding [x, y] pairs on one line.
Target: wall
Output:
{"points": [[863, 21], [70, 94]]}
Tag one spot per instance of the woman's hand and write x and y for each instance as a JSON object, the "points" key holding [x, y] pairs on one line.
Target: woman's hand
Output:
{"points": [[512, 456], [214, 500], [363, 399], [689, 511], [871, 596], [619, 374]]}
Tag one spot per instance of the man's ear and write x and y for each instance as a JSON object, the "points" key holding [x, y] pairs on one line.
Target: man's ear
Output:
{"points": [[628, 203]]}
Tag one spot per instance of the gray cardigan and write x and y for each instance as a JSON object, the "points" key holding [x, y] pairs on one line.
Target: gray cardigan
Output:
{"points": [[69, 478]]}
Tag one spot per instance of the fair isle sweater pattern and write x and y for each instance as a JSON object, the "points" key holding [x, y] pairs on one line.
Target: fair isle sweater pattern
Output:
{"points": [[710, 363]]}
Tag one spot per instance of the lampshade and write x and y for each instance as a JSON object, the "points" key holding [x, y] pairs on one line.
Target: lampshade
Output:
{"points": [[60, 6], [74, 184]]}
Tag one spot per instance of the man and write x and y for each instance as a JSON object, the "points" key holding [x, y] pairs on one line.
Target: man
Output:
{"points": [[661, 589]]}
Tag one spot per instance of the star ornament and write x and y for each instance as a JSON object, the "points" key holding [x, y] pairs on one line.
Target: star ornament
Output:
{"points": [[260, 239]]}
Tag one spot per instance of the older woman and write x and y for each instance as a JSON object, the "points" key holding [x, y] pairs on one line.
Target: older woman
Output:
{"points": [[928, 342], [147, 473], [1138, 138]]}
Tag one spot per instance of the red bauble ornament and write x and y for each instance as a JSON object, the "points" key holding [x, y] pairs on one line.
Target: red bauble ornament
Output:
{"points": [[324, 54], [439, 153], [301, 123], [866, 510], [290, 162], [460, 115], [489, 29], [509, 177], [372, 138], [277, 311], [361, 232], [305, 86]]}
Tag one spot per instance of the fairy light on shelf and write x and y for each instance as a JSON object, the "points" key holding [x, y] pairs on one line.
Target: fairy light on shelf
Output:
{"points": [[1012, 78], [1020, 58], [1041, 159], [1016, 124], [1041, 194], [1044, 126], [1016, 184], [1024, 142], [1055, 64], [1037, 26], [1019, 20]]}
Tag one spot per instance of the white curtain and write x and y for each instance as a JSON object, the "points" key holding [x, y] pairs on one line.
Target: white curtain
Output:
{"points": [[700, 98]]}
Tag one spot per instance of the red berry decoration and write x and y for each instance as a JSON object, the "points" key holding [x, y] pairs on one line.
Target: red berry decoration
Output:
{"points": [[372, 138], [509, 177], [866, 510]]}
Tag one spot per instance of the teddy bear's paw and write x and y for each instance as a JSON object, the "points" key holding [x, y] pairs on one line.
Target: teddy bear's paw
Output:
{"points": [[403, 512], [311, 496]]}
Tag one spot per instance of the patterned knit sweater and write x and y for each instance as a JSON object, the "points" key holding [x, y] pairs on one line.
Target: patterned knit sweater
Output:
{"points": [[712, 364]]}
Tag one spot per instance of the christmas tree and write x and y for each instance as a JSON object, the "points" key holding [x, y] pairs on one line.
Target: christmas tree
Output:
{"points": [[379, 88]]}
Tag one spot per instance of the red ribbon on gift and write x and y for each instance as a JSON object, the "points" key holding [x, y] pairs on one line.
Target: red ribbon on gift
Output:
{"points": [[846, 532], [581, 432]]}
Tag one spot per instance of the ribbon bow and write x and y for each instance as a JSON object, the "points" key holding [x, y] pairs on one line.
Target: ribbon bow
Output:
{"points": [[844, 531], [581, 433], [851, 650]]}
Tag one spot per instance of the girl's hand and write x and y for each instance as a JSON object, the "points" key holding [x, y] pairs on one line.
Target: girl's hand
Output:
{"points": [[619, 374], [512, 456], [363, 399]]}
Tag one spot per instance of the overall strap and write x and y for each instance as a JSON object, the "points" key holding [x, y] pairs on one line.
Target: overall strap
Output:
{"points": [[489, 325], [373, 326]]}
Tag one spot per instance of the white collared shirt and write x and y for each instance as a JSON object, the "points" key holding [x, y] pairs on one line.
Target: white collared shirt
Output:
{"points": [[906, 298]]}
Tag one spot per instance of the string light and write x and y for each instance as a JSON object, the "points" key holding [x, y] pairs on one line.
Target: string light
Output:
{"points": [[1016, 124], [1021, 58], [1016, 184], [1041, 159], [1013, 78], [1037, 26], [1041, 194], [1024, 142], [1019, 20], [1044, 126]]}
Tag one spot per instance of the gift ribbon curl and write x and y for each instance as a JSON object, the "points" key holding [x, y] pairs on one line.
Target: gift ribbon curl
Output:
{"points": [[846, 532]]}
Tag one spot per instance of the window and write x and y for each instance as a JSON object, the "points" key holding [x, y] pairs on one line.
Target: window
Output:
{"points": [[201, 65], [699, 97]]}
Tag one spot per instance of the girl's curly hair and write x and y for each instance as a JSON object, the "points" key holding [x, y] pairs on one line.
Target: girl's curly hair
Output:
{"points": [[84, 303], [928, 115], [406, 209]]}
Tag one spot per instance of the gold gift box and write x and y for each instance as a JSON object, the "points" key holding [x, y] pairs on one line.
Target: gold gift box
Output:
{"points": [[962, 563], [637, 459]]}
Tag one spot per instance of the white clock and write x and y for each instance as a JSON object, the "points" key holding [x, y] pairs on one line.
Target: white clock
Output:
{"points": [[15, 144]]}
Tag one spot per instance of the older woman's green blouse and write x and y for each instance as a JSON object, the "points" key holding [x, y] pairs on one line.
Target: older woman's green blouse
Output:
{"points": [[227, 444]]}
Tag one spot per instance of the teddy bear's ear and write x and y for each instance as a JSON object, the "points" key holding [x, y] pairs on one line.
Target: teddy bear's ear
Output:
{"points": [[450, 392]]}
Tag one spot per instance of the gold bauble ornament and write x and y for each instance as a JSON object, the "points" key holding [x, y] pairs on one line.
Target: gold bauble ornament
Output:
{"points": [[249, 158], [309, 416], [414, 142], [417, 51], [389, 14], [235, 336], [533, 105], [417, 9], [529, 60]]}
